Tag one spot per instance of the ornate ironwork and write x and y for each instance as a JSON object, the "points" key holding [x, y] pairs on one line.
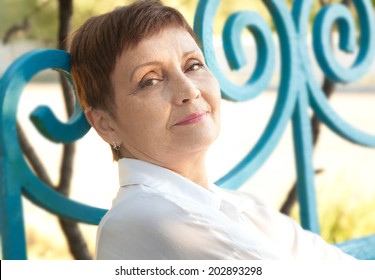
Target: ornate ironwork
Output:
{"points": [[297, 92]]}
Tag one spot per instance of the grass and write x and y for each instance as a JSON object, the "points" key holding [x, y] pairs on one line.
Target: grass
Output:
{"points": [[44, 237], [345, 209]]}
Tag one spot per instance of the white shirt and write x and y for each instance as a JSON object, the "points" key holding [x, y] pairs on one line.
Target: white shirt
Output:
{"points": [[159, 214]]}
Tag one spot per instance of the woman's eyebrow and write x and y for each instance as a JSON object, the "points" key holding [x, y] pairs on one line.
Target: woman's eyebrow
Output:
{"points": [[194, 51], [157, 63]]}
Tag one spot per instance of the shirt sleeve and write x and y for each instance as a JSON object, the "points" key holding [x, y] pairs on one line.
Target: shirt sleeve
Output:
{"points": [[308, 245], [289, 236]]}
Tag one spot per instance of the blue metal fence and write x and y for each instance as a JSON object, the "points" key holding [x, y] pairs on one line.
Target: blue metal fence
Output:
{"points": [[297, 92]]}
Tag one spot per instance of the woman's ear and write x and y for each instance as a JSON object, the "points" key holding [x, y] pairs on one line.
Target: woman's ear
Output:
{"points": [[103, 123]]}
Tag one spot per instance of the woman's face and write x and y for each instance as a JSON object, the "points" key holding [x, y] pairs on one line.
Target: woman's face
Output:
{"points": [[167, 102]]}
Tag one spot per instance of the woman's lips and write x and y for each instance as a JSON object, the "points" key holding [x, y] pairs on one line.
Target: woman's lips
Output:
{"points": [[193, 118]]}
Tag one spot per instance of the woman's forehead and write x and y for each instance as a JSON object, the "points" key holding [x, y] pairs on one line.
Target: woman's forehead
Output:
{"points": [[166, 43], [170, 36]]}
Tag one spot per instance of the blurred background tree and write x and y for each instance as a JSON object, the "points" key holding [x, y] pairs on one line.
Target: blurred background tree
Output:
{"points": [[42, 14]]}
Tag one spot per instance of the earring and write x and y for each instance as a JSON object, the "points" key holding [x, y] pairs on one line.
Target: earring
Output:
{"points": [[115, 146]]}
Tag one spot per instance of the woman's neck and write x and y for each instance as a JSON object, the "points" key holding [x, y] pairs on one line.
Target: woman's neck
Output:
{"points": [[191, 166], [196, 173]]}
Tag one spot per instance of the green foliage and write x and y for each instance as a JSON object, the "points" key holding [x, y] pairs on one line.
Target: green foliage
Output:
{"points": [[43, 23], [88, 8], [344, 212], [43, 15]]}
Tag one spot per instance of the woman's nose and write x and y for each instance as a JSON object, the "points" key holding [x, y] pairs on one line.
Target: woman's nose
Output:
{"points": [[184, 90]]}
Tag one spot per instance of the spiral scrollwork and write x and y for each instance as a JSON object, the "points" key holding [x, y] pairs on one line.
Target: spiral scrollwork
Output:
{"points": [[12, 85], [332, 69], [261, 76], [298, 89], [323, 25], [296, 69]]}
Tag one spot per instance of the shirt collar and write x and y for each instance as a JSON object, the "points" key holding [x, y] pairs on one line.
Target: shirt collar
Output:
{"points": [[235, 199], [135, 172]]}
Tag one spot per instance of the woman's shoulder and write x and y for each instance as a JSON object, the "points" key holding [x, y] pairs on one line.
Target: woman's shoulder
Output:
{"points": [[247, 197], [141, 205], [140, 221]]}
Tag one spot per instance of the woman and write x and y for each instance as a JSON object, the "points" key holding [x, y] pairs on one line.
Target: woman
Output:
{"points": [[143, 84]]}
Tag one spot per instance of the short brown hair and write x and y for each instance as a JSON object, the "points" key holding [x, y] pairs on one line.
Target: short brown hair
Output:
{"points": [[97, 44]]}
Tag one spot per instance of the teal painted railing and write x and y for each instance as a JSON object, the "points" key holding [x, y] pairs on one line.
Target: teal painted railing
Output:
{"points": [[297, 92]]}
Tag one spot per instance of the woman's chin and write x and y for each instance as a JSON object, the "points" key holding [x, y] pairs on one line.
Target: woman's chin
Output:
{"points": [[201, 141]]}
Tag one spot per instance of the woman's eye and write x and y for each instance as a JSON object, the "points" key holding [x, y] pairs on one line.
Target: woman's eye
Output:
{"points": [[148, 83], [195, 66]]}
